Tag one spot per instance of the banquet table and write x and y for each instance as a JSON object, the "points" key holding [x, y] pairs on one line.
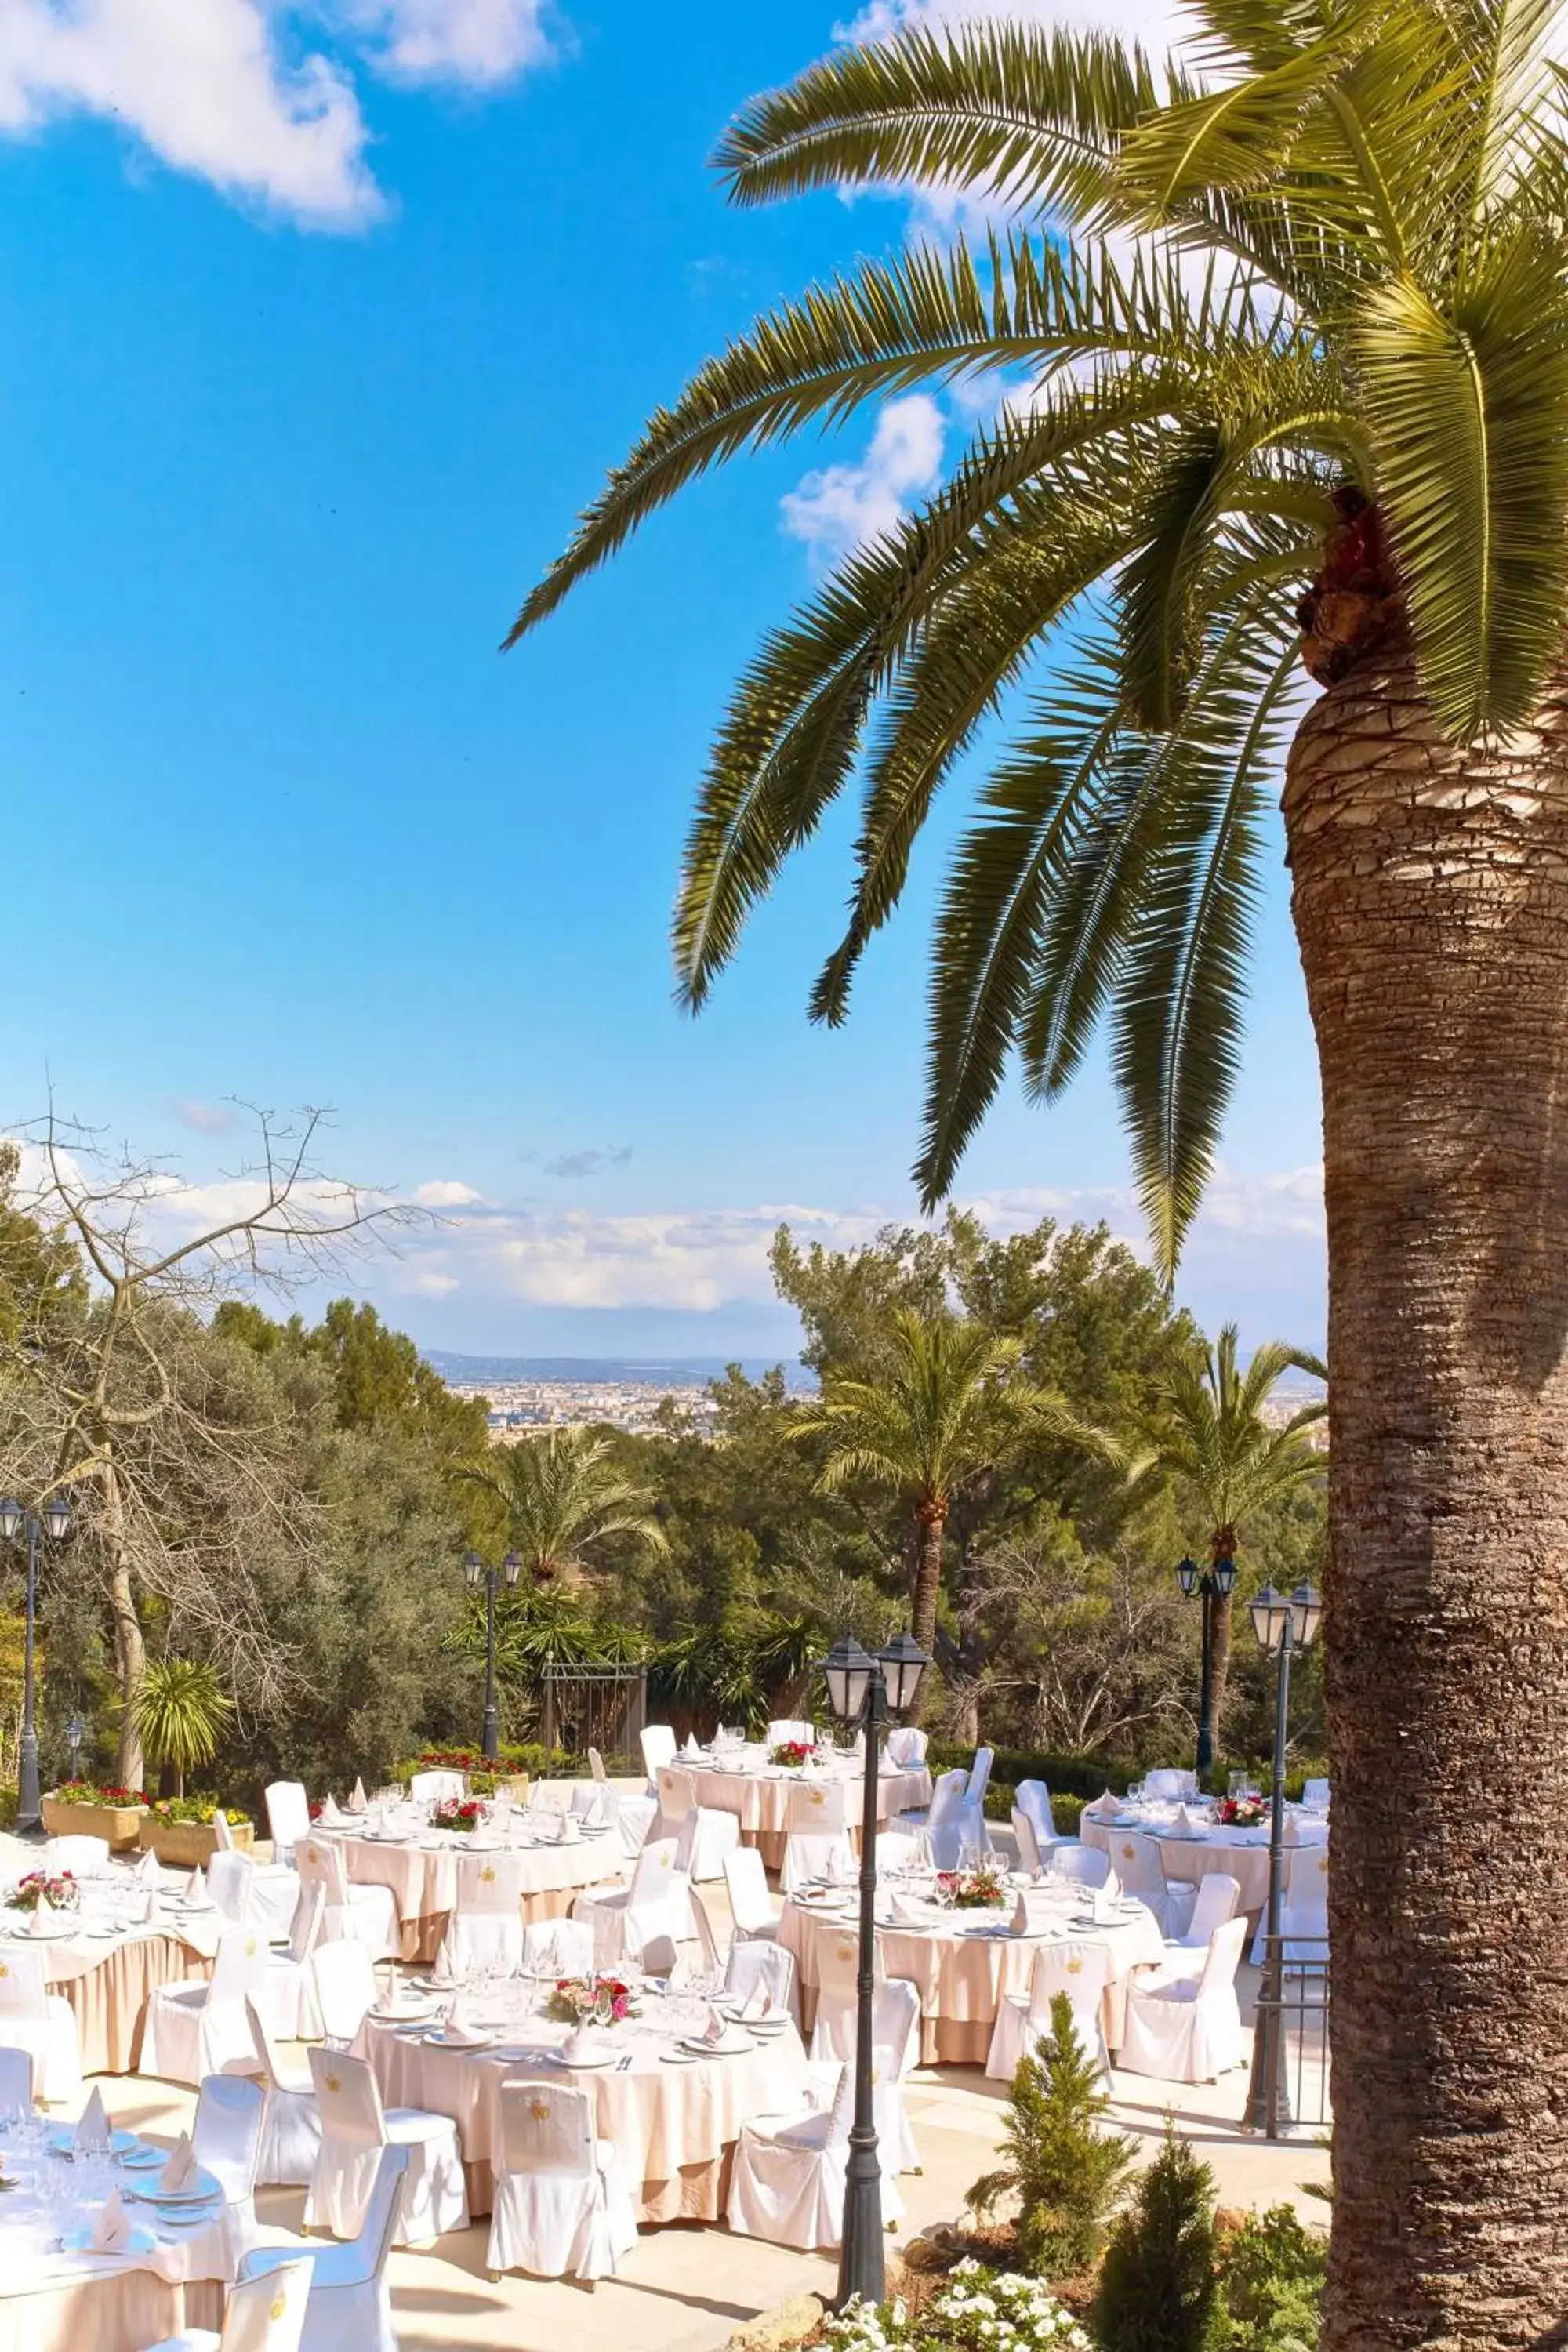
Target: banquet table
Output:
{"points": [[964, 1964], [421, 1870], [759, 1793], [1243, 1852], [673, 2123], [107, 1968], [52, 2300]]}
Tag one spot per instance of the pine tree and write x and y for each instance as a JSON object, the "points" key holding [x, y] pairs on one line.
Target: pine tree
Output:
{"points": [[1066, 2174], [1157, 2284]]}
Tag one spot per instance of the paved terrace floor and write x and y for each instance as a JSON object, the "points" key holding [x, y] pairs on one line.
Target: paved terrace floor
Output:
{"points": [[689, 2287]]}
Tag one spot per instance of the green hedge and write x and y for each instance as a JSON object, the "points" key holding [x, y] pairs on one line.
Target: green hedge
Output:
{"points": [[1065, 1810], [1064, 1775]]}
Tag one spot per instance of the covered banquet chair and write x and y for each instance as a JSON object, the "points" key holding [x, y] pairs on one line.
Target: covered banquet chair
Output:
{"points": [[817, 1840], [288, 1816], [41, 2023], [349, 2309], [198, 2027], [485, 1927], [752, 1908], [367, 1914], [787, 2184], [1081, 1971], [1086, 1866], [225, 2140], [356, 2129], [291, 2126], [1188, 2028], [704, 1834], [1169, 1785], [655, 1881], [264, 2313], [1142, 1870], [563, 2204]]}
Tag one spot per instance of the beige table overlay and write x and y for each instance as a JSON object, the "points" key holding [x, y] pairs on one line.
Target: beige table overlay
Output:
{"points": [[964, 1971], [108, 1982], [423, 1878], [52, 2301], [761, 1799], [673, 2125]]}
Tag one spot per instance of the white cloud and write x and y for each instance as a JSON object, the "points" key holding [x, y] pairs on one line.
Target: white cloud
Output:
{"points": [[243, 93], [457, 40], [841, 507], [203, 1118], [445, 1192], [1156, 26]]}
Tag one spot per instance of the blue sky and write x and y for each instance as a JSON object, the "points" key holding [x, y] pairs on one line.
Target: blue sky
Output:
{"points": [[316, 334]]}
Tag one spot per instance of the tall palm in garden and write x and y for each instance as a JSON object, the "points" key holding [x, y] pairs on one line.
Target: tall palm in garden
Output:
{"points": [[563, 1497], [1211, 1437], [1289, 326], [940, 1406]]}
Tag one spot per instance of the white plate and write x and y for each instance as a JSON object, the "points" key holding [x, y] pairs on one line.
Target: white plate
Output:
{"points": [[64, 2139], [581, 2065], [679, 2057], [697, 2048], [172, 2200], [479, 2041]]}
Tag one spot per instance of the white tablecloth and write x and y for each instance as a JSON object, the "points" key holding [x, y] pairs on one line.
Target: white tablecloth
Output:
{"points": [[422, 1873], [107, 1971], [1243, 1853], [672, 2123], [759, 1793], [962, 1968]]}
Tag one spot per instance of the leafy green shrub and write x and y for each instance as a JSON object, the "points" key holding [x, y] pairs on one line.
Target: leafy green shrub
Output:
{"points": [[1156, 2287], [1271, 2271], [974, 2306], [1066, 2174]]}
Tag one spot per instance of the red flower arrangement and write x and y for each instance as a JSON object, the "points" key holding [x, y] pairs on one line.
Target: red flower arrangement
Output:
{"points": [[39, 1891], [577, 1998], [791, 1753], [971, 1890], [1240, 1812], [94, 1792], [463, 1813]]}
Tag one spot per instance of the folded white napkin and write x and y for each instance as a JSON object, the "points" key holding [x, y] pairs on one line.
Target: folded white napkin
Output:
{"points": [[1292, 1830], [333, 1813], [359, 1802], [1104, 1809], [760, 2004], [459, 2025], [93, 2133], [582, 2042], [594, 1818], [570, 1833], [691, 1747], [180, 2172], [717, 2027], [910, 1911], [146, 1872], [196, 1892], [112, 2231], [1184, 1826]]}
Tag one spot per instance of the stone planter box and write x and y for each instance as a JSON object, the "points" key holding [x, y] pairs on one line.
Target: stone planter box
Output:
{"points": [[117, 1825], [187, 1846]]}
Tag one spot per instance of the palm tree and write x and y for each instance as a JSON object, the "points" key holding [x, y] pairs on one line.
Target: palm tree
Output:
{"points": [[1208, 1436], [1288, 321], [563, 1496], [939, 1407], [180, 1711]]}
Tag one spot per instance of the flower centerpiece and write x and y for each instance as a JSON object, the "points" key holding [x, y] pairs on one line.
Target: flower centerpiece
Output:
{"points": [[97, 1792], [1240, 1812], [575, 1999], [981, 1889], [790, 1754], [42, 1890], [462, 1815]]}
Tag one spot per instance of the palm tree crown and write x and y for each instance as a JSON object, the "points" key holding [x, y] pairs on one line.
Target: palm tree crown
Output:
{"points": [[1286, 321], [563, 1496]]}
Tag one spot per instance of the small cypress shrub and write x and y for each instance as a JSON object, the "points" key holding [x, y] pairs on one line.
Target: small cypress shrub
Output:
{"points": [[1271, 2271], [1157, 2284], [1066, 2174]]}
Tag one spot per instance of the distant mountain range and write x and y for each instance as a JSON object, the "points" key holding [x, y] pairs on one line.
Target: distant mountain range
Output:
{"points": [[621, 1372]]}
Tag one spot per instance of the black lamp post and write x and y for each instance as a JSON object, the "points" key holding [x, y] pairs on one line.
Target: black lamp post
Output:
{"points": [[75, 1732], [862, 1691], [1214, 1585], [1283, 1623], [54, 1519], [479, 1571]]}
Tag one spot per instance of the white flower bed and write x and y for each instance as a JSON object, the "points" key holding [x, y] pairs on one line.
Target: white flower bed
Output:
{"points": [[992, 2311]]}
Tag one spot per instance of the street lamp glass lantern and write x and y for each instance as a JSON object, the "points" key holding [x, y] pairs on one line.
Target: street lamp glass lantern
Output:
{"points": [[1187, 1576], [1224, 1576], [1271, 1612], [10, 1519], [1307, 1610], [903, 1663], [847, 1671], [473, 1568], [511, 1566], [76, 1731], [57, 1516]]}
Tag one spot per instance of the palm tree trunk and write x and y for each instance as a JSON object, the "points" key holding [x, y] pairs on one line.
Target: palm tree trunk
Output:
{"points": [[1221, 1612], [931, 1518], [1431, 904]]}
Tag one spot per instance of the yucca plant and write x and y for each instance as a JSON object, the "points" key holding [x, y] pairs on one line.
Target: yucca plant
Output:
{"points": [[1286, 333], [1286, 324], [181, 1711]]}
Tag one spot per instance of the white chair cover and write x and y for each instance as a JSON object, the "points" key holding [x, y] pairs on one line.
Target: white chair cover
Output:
{"points": [[16, 2075], [673, 1786], [195, 2028], [897, 1850], [907, 1746], [787, 2184], [818, 1838], [1303, 1910], [772, 1966], [787, 1729], [354, 2129], [1086, 1866], [1033, 1800], [634, 1818], [83, 1857], [655, 1881], [1168, 1786], [562, 2205], [288, 1815], [436, 1787], [367, 1914], [1315, 1795], [838, 1969], [291, 2129], [42, 2023], [708, 1834], [1083, 1972], [1187, 2030], [657, 1741], [1141, 1871], [751, 1906], [264, 2315], [557, 1947], [350, 2309], [343, 1977], [227, 2139], [947, 1822], [1219, 1895], [485, 1928]]}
